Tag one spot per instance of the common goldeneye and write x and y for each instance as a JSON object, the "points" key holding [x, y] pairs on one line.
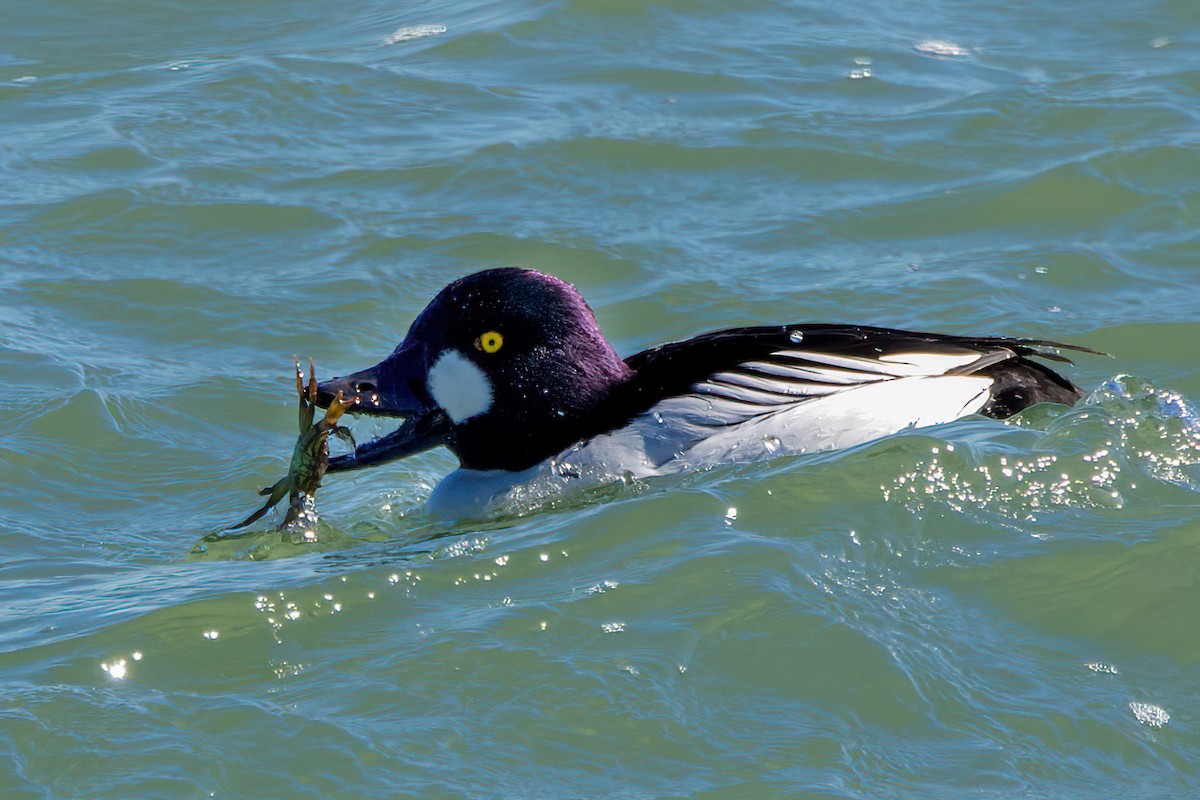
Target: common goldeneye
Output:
{"points": [[508, 369]]}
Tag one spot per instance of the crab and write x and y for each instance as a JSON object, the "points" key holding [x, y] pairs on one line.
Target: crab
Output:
{"points": [[310, 458]]}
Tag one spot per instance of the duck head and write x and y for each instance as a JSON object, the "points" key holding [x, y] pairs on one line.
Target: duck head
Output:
{"points": [[505, 368]]}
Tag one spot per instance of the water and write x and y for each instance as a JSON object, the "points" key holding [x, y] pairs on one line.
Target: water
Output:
{"points": [[193, 193]]}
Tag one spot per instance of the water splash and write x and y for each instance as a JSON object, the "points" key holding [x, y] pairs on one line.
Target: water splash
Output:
{"points": [[303, 529], [1155, 426], [1093, 456]]}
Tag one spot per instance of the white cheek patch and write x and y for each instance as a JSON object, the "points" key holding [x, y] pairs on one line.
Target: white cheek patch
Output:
{"points": [[459, 387]]}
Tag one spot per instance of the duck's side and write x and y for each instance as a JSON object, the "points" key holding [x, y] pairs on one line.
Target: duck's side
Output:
{"points": [[849, 384]]}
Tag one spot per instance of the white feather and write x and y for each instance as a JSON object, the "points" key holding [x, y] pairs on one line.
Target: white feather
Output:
{"points": [[459, 387], [696, 432], [769, 397], [774, 384]]}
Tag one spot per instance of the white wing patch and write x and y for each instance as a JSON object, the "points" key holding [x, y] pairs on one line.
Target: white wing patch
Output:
{"points": [[847, 418], [459, 387], [766, 387], [698, 430], [801, 400]]}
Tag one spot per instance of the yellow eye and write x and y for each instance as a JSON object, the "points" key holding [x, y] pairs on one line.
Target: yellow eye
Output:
{"points": [[490, 342]]}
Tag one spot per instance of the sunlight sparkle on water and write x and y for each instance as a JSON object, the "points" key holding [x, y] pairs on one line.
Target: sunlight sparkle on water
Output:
{"points": [[404, 35], [1131, 428], [940, 47], [116, 669], [1150, 715]]}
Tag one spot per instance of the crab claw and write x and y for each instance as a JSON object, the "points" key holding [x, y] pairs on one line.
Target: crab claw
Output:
{"points": [[337, 407], [307, 395], [312, 383]]}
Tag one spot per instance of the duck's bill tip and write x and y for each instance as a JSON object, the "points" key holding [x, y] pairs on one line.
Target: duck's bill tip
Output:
{"points": [[356, 395], [384, 390]]}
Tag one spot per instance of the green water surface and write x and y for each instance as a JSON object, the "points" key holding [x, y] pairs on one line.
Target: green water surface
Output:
{"points": [[191, 193]]}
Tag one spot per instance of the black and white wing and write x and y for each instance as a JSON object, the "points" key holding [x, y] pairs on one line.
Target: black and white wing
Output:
{"points": [[727, 378]]}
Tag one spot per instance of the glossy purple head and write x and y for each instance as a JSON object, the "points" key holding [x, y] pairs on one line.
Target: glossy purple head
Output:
{"points": [[505, 367]]}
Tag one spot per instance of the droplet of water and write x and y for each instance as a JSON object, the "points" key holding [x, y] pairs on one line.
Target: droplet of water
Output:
{"points": [[796, 336], [659, 418], [772, 443]]}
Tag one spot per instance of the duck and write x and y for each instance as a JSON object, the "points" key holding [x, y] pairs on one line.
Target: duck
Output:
{"points": [[509, 370]]}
